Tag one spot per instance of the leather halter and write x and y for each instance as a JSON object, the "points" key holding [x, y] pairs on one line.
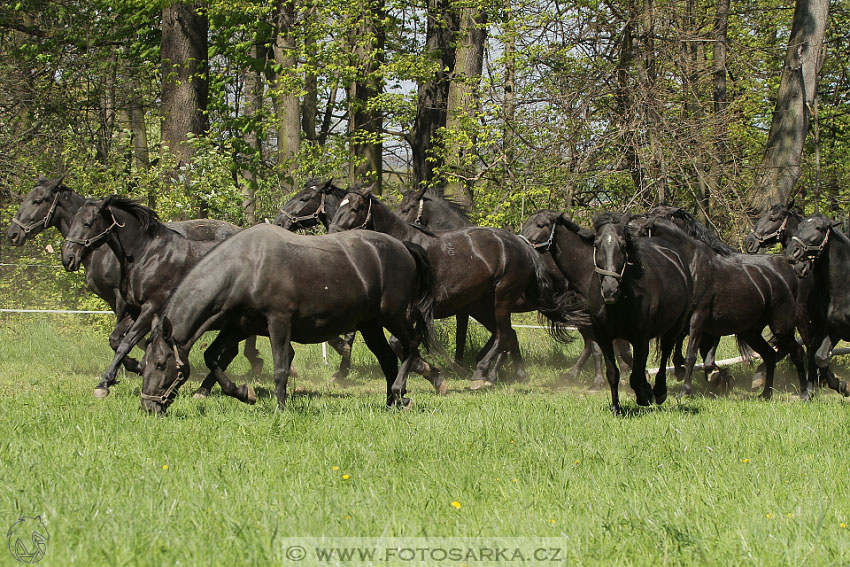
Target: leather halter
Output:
{"points": [[171, 391], [43, 222], [775, 234], [418, 219], [368, 216], [813, 250], [87, 242], [315, 216], [543, 245], [602, 272]]}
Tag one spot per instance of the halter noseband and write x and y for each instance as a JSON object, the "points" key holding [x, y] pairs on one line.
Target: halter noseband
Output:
{"points": [[368, 217], [547, 244], [43, 222], [87, 242], [601, 272], [813, 250], [171, 391], [775, 234], [315, 216]]}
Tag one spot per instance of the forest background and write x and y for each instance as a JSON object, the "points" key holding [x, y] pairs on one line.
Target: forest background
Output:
{"points": [[224, 109]]}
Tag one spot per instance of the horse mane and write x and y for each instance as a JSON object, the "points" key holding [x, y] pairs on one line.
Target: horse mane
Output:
{"points": [[147, 217], [693, 228], [422, 229], [789, 210], [608, 217], [569, 224], [453, 205]]}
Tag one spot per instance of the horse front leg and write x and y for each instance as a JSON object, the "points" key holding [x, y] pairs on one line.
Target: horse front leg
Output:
{"points": [[821, 357], [121, 328], [637, 379], [659, 389], [137, 331], [613, 374]]}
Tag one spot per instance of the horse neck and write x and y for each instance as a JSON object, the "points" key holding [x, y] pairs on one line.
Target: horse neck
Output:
{"points": [[443, 217], [574, 256], [66, 207], [131, 241], [835, 270], [332, 201], [790, 230], [386, 221]]}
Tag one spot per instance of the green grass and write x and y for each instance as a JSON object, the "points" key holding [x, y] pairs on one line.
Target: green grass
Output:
{"points": [[709, 480]]}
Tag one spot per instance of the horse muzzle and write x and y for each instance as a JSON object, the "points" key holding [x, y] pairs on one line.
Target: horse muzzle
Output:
{"points": [[71, 261], [15, 235], [752, 245], [154, 407], [610, 290], [802, 267]]}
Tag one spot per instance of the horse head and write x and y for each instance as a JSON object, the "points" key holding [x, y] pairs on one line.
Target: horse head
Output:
{"points": [[355, 211], [164, 368], [307, 207], [37, 211], [769, 229], [610, 254], [809, 243]]}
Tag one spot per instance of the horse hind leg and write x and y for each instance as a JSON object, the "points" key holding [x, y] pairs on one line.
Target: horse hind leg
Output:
{"points": [[755, 341], [218, 357], [373, 336], [613, 375], [130, 363], [637, 379], [253, 355], [343, 346], [280, 333], [821, 358], [659, 389]]}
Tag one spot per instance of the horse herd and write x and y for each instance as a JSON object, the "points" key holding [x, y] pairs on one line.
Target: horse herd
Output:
{"points": [[632, 278]]}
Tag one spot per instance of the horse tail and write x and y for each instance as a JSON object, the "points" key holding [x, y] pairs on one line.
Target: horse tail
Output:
{"points": [[421, 310], [558, 307], [747, 352]]}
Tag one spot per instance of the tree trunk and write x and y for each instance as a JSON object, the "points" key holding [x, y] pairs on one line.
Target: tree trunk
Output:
{"points": [[509, 104], [795, 100], [253, 96], [463, 94], [285, 95], [185, 80], [719, 48], [365, 124], [433, 93]]}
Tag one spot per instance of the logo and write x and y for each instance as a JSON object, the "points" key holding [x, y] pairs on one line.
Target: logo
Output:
{"points": [[28, 539]]}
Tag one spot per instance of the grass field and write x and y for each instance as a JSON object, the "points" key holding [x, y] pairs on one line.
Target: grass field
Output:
{"points": [[706, 481]]}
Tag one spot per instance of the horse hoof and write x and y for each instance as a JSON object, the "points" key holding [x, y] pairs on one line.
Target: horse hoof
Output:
{"points": [[199, 395], [442, 387], [250, 395], [714, 378], [660, 398], [758, 381], [101, 392], [293, 373], [257, 368], [406, 403], [479, 384]]}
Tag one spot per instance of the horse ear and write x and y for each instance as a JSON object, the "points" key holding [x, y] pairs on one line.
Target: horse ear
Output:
{"points": [[327, 186], [54, 184], [368, 190], [165, 325], [417, 196]]}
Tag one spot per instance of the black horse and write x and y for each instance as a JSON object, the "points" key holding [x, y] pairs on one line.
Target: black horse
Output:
{"points": [[481, 271], [53, 204], [641, 289], [152, 259], [575, 252], [266, 280], [820, 249], [734, 294], [777, 225], [316, 204]]}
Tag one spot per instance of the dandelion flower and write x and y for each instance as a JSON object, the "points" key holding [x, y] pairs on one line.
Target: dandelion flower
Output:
{"points": [[456, 504], [346, 476], [576, 462], [789, 515], [335, 468], [843, 525], [165, 467], [745, 460], [768, 516]]}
